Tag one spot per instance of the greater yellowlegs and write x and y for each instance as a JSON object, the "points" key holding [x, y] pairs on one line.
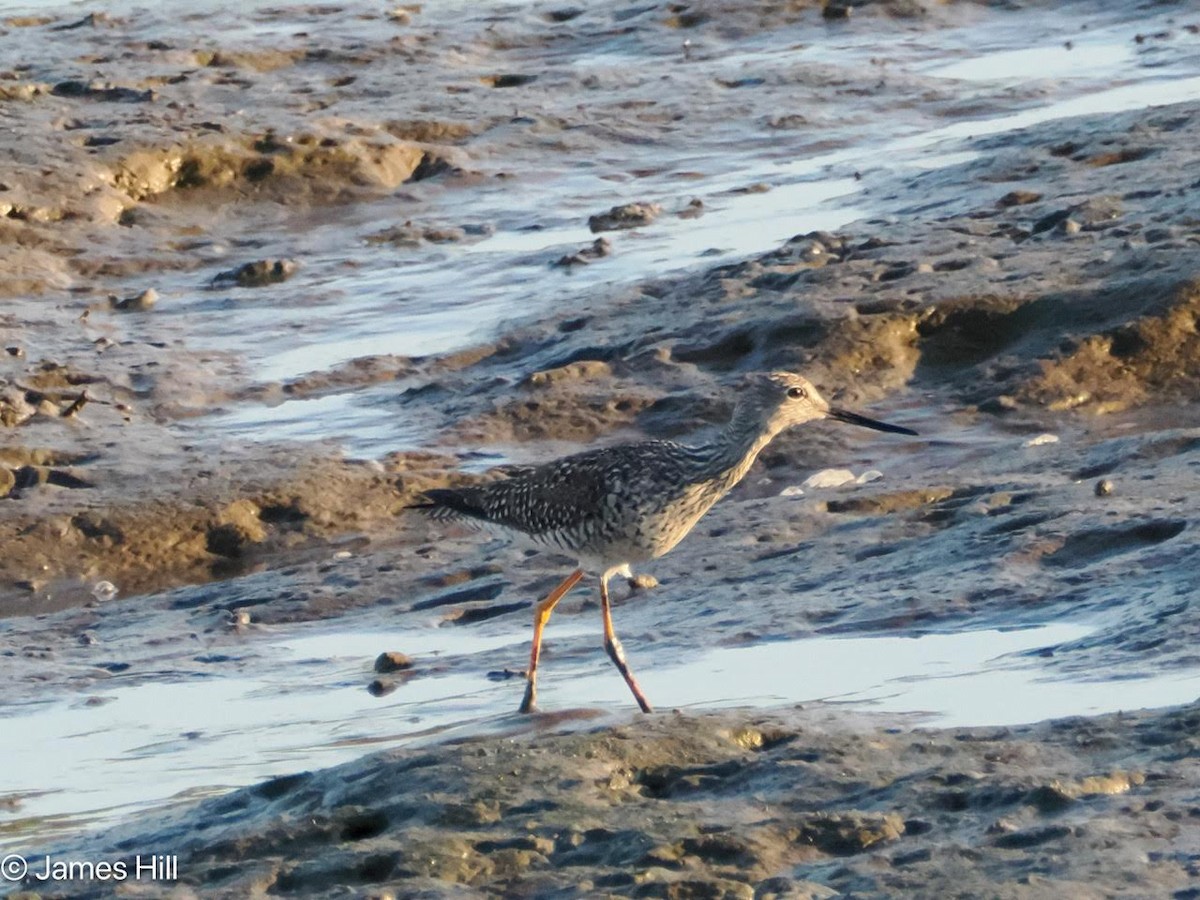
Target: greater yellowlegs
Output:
{"points": [[621, 505]]}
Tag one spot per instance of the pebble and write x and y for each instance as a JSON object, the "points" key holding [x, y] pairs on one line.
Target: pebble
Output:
{"points": [[828, 478], [239, 618], [643, 582], [392, 661], [868, 476], [137, 303], [792, 490], [600, 248], [1104, 487], [1041, 439], [381, 687], [629, 215], [259, 274]]}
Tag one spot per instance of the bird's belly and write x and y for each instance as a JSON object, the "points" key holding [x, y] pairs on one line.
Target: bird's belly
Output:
{"points": [[660, 530], [632, 534]]}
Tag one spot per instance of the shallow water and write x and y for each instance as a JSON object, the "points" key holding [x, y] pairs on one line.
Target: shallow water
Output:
{"points": [[149, 743]]}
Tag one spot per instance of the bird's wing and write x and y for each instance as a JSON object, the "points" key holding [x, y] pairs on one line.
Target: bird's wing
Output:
{"points": [[553, 496]]}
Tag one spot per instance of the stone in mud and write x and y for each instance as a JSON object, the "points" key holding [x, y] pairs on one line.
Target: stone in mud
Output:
{"points": [[137, 303], [1018, 198], [600, 248], [392, 661], [260, 273], [381, 687], [629, 215], [1104, 487]]}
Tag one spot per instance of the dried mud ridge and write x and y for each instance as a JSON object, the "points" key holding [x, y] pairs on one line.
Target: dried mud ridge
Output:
{"points": [[724, 806]]}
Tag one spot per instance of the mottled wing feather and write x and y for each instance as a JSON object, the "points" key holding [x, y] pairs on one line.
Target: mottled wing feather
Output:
{"points": [[557, 496]]}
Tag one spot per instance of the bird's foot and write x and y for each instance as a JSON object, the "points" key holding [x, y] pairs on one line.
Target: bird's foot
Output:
{"points": [[529, 703]]}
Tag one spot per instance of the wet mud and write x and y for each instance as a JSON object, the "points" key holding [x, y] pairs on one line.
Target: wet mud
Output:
{"points": [[268, 279]]}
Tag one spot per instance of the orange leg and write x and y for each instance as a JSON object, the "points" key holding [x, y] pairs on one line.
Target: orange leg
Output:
{"points": [[541, 616], [615, 651]]}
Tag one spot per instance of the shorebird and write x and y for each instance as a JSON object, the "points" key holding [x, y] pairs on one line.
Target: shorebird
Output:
{"points": [[618, 506]]}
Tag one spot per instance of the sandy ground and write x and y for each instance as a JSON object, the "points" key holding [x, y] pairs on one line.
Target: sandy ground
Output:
{"points": [[1030, 308]]}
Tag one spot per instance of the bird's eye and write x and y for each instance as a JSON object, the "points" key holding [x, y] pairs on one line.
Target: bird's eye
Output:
{"points": [[797, 393]]}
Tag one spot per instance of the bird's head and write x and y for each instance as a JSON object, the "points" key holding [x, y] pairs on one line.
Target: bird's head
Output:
{"points": [[777, 400]]}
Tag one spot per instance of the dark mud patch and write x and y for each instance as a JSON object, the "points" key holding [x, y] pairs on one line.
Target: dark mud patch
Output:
{"points": [[672, 804], [1084, 548]]}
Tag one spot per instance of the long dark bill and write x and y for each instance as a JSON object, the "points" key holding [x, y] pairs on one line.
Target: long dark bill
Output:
{"points": [[844, 415]]}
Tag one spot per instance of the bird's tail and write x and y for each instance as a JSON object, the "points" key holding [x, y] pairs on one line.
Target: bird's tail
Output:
{"points": [[448, 503]]}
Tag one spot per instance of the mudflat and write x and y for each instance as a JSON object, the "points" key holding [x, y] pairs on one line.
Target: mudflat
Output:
{"points": [[273, 271]]}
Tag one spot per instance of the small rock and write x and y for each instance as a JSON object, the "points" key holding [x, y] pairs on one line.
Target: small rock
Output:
{"points": [[828, 478], [792, 490], [137, 303], [239, 618], [87, 638], [694, 209], [643, 582], [601, 247], [15, 352], [1070, 226], [1104, 487], [629, 215], [381, 687], [1018, 198], [392, 661], [259, 274], [868, 476], [1041, 439]]}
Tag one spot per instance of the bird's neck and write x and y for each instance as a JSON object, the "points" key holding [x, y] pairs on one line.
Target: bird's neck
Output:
{"points": [[728, 458]]}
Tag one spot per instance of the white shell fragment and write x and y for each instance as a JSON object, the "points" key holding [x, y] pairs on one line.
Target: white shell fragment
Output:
{"points": [[828, 478], [1042, 439], [104, 590]]}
